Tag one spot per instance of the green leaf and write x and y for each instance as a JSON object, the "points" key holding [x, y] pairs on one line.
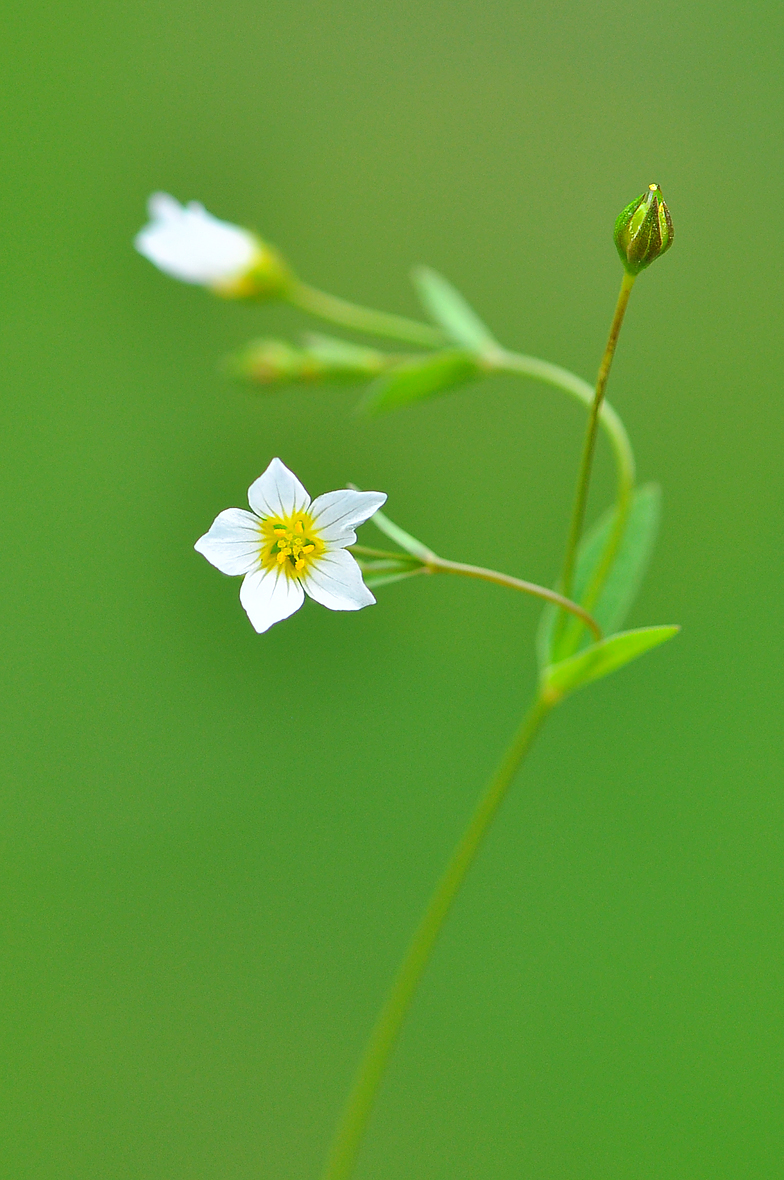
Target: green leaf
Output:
{"points": [[631, 561], [625, 576], [373, 581], [599, 659], [401, 537], [416, 380], [449, 309]]}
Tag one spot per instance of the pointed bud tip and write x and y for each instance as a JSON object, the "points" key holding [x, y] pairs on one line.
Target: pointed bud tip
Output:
{"points": [[643, 230]]}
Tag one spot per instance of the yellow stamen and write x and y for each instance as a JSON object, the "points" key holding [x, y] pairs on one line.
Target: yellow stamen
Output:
{"points": [[290, 543]]}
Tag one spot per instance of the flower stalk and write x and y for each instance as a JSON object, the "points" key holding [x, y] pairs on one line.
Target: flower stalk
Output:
{"points": [[363, 319], [431, 563], [589, 445]]}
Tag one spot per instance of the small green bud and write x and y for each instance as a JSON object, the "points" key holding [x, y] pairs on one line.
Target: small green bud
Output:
{"points": [[275, 362], [643, 230]]}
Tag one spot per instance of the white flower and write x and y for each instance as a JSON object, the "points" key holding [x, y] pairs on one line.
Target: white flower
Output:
{"points": [[187, 242], [289, 546]]}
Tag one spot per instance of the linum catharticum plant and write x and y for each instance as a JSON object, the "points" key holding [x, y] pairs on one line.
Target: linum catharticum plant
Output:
{"points": [[290, 545]]}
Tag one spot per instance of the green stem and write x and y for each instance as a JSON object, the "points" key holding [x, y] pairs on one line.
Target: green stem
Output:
{"points": [[433, 564], [589, 446], [441, 565], [382, 1039], [363, 319], [384, 1035], [530, 366]]}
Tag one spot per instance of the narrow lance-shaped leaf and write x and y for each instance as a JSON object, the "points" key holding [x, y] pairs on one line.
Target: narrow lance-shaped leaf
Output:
{"points": [[631, 561], [401, 537], [373, 581], [625, 576], [449, 309], [416, 380], [599, 659]]}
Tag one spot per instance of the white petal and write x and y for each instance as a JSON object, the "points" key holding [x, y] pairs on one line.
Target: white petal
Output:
{"points": [[277, 492], [163, 207], [335, 580], [337, 514], [232, 542], [269, 596], [190, 244]]}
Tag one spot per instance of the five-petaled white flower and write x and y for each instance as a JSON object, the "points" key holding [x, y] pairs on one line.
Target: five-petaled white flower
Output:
{"points": [[187, 242], [289, 546]]}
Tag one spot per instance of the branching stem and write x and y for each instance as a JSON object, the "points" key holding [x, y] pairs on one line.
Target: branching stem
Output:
{"points": [[382, 1040]]}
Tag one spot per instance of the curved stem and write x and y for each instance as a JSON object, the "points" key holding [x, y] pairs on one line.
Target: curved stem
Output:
{"points": [[384, 1035], [529, 366], [363, 319], [441, 565], [431, 563]]}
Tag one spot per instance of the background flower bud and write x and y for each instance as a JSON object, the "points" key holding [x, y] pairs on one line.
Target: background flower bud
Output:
{"points": [[275, 362], [643, 230]]}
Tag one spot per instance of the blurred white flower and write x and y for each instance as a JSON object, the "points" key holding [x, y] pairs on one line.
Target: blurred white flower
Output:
{"points": [[289, 546], [188, 243]]}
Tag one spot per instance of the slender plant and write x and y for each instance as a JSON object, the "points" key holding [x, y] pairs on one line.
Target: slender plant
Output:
{"points": [[288, 545]]}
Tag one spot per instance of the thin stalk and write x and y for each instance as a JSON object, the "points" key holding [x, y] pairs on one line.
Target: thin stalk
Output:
{"points": [[382, 1040], [589, 446], [441, 565], [363, 319], [433, 564]]}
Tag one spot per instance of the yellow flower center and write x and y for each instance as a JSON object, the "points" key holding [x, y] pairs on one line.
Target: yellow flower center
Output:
{"points": [[290, 544]]}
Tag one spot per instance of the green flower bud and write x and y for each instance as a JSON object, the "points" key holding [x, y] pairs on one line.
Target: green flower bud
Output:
{"points": [[275, 362], [643, 230]]}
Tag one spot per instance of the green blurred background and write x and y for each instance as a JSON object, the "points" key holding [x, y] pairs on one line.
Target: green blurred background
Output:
{"points": [[215, 844]]}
